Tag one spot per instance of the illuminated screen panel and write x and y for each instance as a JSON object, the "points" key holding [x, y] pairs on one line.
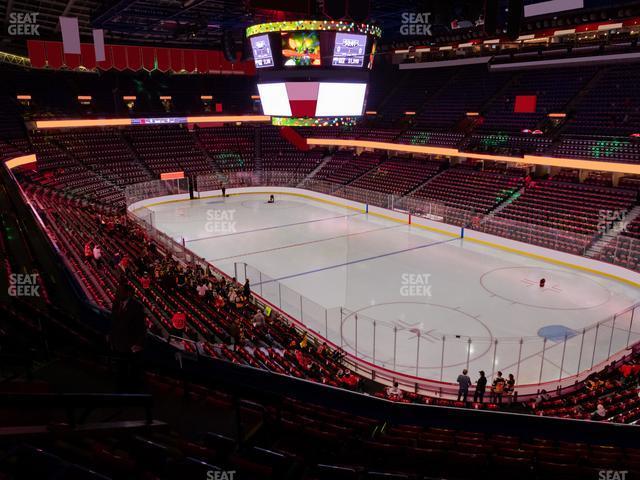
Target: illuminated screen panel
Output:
{"points": [[340, 99], [349, 50], [274, 99], [262, 51], [301, 49], [533, 8]]}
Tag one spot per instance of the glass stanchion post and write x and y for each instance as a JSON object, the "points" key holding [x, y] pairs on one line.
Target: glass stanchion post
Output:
{"points": [[544, 349]]}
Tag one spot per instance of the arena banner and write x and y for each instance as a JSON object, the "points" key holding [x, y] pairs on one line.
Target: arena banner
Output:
{"points": [[50, 54]]}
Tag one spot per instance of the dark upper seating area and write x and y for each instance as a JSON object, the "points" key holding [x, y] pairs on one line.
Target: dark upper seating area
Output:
{"points": [[609, 107], [468, 90], [554, 91]]}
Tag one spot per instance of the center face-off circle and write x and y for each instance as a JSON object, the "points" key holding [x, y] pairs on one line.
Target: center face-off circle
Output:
{"points": [[563, 290]]}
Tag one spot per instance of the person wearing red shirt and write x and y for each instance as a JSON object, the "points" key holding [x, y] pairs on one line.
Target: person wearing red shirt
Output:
{"points": [[145, 281], [178, 321]]}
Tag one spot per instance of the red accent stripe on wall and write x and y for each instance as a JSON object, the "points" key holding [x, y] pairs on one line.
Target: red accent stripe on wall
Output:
{"points": [[176, 59], [163, 57], [202, 62], [134, 58], [54, 54], [119, 56], [189, 60], [37, 53], [108, 59], [88, 53], [148, 58], [72, 60]]}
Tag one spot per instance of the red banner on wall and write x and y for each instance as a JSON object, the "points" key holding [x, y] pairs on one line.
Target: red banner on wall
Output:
{"points": [[134, 58], [46, 54], [37, 53]]}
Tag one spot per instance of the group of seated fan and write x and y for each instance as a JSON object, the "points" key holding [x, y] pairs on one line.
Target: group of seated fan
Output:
{"points": [[200, 307], [612, 394]]}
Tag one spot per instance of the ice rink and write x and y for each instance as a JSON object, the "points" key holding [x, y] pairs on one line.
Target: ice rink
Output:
{"points": [[403, 289]]}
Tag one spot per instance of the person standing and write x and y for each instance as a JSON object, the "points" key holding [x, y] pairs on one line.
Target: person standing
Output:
{"points": [[497, 388], [464, 383], [246, 289], [127, 335], [481, 386]]}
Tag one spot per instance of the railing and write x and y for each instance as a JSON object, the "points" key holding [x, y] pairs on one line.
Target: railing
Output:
{"points": [[425, 361], [419, 360]]}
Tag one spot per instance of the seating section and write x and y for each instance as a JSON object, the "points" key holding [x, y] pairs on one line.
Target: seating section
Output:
{"points": [[604, 149], [553, 93], [225, 331], [467, 91], [57, 170], [609, 106], [279, 154], [346, 167], [105, 152], [556, 207], [518, 145], [304, 440], [470, 189], [232, 148], [411, 91], [398, 175], [422, 137], [168, 149], [615, 388]]}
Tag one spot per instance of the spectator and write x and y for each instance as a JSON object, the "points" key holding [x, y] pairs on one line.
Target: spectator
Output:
{"points": [[88, 251], [464, 383], [97, 254], [481, 386], [178, 322], [497, 388], [600, 413], [202, 289], [258, 319], [246, 289], [145, 281], [511, 385], [128, 330], [394, 393]]}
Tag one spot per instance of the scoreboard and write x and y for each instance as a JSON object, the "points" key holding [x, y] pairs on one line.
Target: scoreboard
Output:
{"points": [[313, 71], [313, 44], [349, 50]]}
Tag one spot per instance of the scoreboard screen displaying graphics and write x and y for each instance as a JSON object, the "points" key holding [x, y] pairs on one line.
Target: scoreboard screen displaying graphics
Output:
{"points": [[349, 50], [261, 47], [313, 45]]}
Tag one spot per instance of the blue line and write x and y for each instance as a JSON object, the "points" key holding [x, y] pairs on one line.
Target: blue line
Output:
{"points": [[273, 227], [352, 262]]}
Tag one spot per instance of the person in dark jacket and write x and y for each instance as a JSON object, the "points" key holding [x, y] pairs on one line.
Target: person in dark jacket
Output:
{"points": [[481, 386], [464, 382], [128, 330]]}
